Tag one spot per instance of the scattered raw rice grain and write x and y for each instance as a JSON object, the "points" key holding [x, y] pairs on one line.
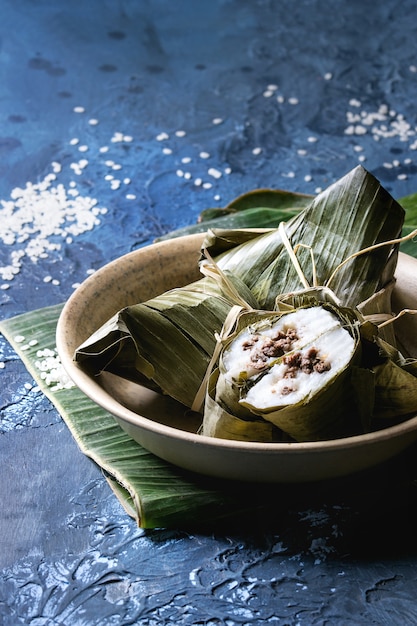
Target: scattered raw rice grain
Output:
{"points": [[40, 211], [51, 370], [214, 173], [79, 109], [117, 137]]}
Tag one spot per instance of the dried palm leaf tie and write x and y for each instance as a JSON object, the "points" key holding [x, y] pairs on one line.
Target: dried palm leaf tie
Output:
{"points": [[394, 318], [292, 253], [391, 242], [386, 318], [381, 319]]}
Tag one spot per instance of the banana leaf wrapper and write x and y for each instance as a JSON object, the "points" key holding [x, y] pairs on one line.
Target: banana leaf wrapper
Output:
{"points": [[220, 422], [395, 381], [165, 343], [340, 404], [354, 213], [395, 392]]}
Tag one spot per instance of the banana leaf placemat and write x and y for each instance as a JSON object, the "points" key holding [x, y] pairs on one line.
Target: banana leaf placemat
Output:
{"points": [[153, 492]]}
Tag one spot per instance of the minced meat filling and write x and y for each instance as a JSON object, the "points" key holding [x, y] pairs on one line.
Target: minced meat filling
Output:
{"points": [[270, 347], [282, 363], [306, 363]]}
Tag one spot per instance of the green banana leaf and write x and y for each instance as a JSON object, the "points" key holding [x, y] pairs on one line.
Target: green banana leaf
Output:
{"points": [[260, 208], [265, 208]]}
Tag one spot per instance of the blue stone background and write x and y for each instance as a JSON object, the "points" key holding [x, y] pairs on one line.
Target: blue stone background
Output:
{"points": [[305, 90]]}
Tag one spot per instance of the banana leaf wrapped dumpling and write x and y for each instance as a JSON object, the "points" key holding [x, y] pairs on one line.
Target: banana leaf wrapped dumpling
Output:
{"points": [[296, 370], [167, 342]]}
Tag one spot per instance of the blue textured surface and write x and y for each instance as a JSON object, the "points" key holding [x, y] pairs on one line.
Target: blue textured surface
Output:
{"points": [[279, 94]]}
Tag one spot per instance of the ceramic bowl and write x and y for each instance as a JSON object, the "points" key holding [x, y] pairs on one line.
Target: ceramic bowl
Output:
{"points": [[163, 427]]}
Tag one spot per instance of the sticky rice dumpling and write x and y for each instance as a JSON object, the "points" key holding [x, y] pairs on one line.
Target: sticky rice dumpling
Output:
{"points": [[291, 369]]}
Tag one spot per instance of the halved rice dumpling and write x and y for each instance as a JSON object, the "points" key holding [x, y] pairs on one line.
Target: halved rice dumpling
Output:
{"points": [[292, 370]]}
